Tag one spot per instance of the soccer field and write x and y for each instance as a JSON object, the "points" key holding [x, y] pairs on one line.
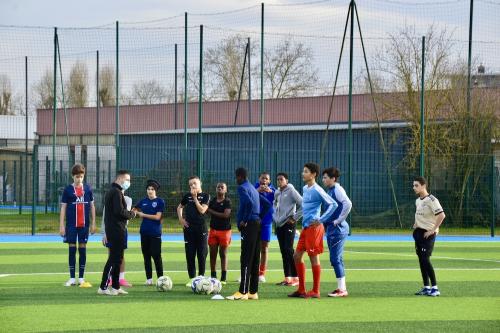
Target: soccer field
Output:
{"points": [[381, 276]]}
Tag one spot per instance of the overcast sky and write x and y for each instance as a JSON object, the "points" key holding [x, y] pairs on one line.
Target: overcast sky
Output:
{"points": [[147, 54]]}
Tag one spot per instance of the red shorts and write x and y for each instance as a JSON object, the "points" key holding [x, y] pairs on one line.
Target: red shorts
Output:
{"points": [[311, 240], [219, 237]]}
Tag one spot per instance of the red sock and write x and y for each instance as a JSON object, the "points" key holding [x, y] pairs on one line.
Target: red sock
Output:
{"points": [[316, 277], [262, 269], [301, 272]]}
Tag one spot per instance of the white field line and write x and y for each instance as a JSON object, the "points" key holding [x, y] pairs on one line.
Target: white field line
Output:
{"points": [[414, 255], [273, 270]]}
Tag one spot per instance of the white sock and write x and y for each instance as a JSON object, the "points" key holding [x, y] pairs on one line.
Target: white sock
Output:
{"points": [[435, 287], [341, 283], [149, 280], [122, 275], [72, 280], [81, 280], [427, 287]]}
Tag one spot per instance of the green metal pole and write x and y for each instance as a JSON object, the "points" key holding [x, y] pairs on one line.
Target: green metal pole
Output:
{"points": [[34, 162], [494, 187], [200, 110], [26, 130], [20, 185], [469, 64], [98, 105], [261, 153], [422, 110], [117, 102], [175, 89], [14, 185], [249, 84], [185, 94], [54, 118], [349, 141], [469, 56]]}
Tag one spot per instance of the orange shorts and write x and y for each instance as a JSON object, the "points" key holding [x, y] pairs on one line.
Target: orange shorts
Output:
{"points": [[311, 240], [219, 237]]}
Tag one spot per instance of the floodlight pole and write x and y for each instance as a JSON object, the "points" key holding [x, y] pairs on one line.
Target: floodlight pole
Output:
{"points": [[349, 141], [200, 110], [185, 169], [117, 102], [249, 85], [98, 102], [422, 113], [26, 131], [261, 153], [54, 117], [175, 87]]}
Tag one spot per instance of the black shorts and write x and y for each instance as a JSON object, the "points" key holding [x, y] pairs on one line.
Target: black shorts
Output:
{"points": [[423, 245]]}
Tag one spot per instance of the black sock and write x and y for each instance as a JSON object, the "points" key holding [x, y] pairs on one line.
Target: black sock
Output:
{"points": [[223, 276], [213, 274]]}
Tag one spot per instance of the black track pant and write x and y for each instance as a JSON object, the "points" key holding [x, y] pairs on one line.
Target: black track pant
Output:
{"points": [[423, 248], [151, 248], [286, 236], [196, 246], [112, 267], [250, 257]]}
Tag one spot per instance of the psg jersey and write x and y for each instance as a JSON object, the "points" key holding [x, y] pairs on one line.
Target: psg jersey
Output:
{"points": [[77, 200]]}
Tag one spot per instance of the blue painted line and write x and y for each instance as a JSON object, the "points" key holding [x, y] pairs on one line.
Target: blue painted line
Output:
{"points": [[236, 237]]}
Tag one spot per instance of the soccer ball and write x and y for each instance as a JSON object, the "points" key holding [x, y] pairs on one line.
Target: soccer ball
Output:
{"points": [[194, 282], [164, 283], [216, 285], [204, 286]]}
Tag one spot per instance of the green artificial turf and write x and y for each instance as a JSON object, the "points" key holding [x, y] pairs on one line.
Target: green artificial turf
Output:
{"points": [[381, 278]]}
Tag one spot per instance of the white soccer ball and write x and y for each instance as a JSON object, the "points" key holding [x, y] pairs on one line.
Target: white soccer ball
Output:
{"points": [[164, 283], [216, 285], [194, 282], [204, 286]]}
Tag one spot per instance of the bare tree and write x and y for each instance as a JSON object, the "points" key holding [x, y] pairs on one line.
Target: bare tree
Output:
{"points": [[288, 68], [457, 139], [77, 85], [107, 86], [5, 95], [224, 62], [149, 92], [44, 91]]}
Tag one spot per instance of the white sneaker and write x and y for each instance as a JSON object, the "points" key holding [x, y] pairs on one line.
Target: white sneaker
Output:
{"points": [[262, 279], [103, 291], [122, 292], [71, 282], [149, 282]]}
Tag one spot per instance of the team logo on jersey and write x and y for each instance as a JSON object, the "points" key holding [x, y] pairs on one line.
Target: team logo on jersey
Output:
{"points": [[154, 204]]}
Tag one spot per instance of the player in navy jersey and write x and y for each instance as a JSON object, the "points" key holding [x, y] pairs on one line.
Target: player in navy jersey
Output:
{"points": [[76, 219], [219, 236], [266, 189], [191, 213], [151, 210]]}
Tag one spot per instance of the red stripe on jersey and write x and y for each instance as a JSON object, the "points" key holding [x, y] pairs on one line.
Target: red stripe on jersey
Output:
{"points": [[80, 207]]}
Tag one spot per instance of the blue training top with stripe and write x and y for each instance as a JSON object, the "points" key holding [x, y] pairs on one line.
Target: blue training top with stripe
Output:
{"points": [[268, 218], [72, 201], [151, 207]]}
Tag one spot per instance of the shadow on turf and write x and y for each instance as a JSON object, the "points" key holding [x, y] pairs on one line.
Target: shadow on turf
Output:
{"points": [[50, 294], [377, 327]]}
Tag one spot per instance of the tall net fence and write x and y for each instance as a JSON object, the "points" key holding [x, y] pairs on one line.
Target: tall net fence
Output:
{"points": [[274, 83]]}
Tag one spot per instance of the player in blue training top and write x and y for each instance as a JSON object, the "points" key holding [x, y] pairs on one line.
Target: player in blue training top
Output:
{"points": [[151, 210], [266, 189], [76, 218], [337, 228]]}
